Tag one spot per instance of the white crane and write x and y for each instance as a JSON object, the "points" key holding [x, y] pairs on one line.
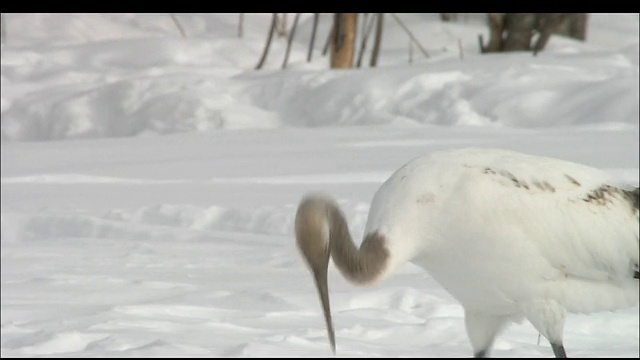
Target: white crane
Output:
{"points": [[508, 235]]}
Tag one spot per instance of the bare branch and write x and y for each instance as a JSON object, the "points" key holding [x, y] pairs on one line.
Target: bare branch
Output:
{"points": [[3, 23], [241, 25], [413, 38], [328, 42], [375, 53], [178, 25], [272, 29], [367, 27], [290, 40], [313, 36]]}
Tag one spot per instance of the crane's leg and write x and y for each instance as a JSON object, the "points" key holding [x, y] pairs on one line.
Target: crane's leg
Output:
{"points": [[547, 316], [482, 330]]}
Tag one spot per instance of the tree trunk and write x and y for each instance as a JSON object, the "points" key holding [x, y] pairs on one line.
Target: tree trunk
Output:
{"points": [[313, 36], [578, 26], [547, 24], [343, 42], [375, 53], [519, 28], [447, 17], [514, 32], [281, 27], [496, 28], [272, 29]]}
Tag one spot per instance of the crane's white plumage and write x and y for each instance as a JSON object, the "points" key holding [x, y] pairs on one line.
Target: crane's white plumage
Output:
{"points": [[512, 236], [530, 223]]}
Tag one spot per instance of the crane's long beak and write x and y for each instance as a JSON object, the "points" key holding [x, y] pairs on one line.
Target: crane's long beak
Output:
{"points": [[320, 277], [314, 241]]}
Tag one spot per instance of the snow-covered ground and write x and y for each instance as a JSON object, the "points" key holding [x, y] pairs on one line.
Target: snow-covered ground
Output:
{"points": [[149, 182]]}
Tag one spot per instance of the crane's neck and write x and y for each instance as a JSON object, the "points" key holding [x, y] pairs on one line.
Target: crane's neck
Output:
{"points": [[360, 266], [322, 232]]}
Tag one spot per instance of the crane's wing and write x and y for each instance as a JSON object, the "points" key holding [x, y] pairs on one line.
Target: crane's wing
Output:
{"points": [[582, 220]]}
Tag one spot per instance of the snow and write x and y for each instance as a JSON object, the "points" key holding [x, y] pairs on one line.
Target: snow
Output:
{"points": [[149, 182]]}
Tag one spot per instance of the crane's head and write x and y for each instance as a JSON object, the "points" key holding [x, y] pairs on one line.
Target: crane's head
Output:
{"points": [[312, 238]]}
